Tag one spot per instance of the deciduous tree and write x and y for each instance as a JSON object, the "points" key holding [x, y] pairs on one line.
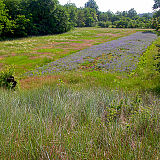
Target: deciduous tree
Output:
{"points": [[91, 4], [5, 24], [156, 4], [156, 16]]}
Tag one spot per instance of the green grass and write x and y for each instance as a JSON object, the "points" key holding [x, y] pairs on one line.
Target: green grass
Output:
{"points": [[21, 61]]}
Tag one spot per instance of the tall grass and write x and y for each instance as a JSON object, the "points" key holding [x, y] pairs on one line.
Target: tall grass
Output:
{"points": [[61, 123]]}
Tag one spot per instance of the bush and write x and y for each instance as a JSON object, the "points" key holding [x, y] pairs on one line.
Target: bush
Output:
{"points": [[4, 75], [104, 24]]}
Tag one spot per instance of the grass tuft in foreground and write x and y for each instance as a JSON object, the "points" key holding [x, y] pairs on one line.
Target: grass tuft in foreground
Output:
{"points": [[61, 123]]}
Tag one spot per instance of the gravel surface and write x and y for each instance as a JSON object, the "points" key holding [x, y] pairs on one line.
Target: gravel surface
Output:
{"points": [[117, 55]]}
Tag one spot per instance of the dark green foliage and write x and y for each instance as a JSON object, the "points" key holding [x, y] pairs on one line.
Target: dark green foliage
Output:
{"points": [[156, 16], [104, 24], [156, 4], [86, 17], [13, 7], [103, 16], [60, 21], [46, 17], [5, 24], [122, 23], [90, 17], [132, 13], [19, 21], [21, 24], [80, 18], [40, 10], [156, 23], [20, 18], [157, 58], [72, 12], [156, 20], [91, 4]]}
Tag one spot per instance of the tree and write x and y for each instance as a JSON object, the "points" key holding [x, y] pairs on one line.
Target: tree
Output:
{"points": [[5, 24], [156, 16], [13, 7], [2, 16], [80, 18], [132, 13], [59, 21], [19, 21], [122, 23], [91, 4], [103, 16], [156, 20], [40, 9], [40, 17], [156, 4], [21, 26], [46, 17], [72, 12]]}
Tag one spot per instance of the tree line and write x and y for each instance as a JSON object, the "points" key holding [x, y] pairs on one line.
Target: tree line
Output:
{"points": [[19, 18]]}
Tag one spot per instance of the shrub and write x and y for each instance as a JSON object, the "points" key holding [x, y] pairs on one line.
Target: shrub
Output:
{"points": [[104, 24], [4, 75]]}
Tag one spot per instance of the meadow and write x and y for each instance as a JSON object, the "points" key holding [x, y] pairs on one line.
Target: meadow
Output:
{"points": [[89, 113], [29, 53]]}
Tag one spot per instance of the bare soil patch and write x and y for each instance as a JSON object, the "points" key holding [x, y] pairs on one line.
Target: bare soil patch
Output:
{"points": [[42, 56], [45, 53], [35, 82], [107, 34], [69, 44], [67, 47], [78, 46]]}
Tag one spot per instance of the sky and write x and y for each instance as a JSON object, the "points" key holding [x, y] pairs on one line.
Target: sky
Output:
{"points": [[141, 6]]}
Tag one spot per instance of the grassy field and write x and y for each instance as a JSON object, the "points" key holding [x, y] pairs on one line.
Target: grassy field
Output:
{"points": [[30, 53], [79, 115]]}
